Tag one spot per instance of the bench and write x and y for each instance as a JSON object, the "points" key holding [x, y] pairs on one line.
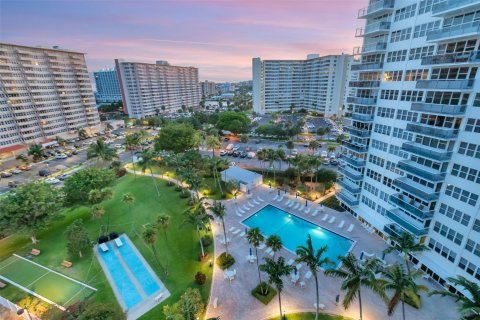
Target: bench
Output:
{"points": [[35, 252], [66, 264], [2, 285], [215, 303]]}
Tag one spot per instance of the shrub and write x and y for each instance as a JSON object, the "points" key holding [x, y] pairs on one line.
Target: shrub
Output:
{"points": [[224, 195], [200, 278], [184, 194], [121, 172], [170, 184], [333, 203], [102, 239], [178, 188], [206, 240], [225, 261], [259, 293]]}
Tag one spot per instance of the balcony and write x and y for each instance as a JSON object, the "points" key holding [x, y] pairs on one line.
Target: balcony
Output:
{"points": [[364, 84], [465, 30], [370, 48], [451, 58], [354, 161], [411, 206], [351, 187], [355, 146], [373, 29], [450, 7], [444, 109], [351, 173], [418, 170], [347, 199], [414, 229], [362, 117], [416, 189], [376, 8], [354, 131], [367, 66], [466, 84], [424, 151], [362, 101], [438, 132]]}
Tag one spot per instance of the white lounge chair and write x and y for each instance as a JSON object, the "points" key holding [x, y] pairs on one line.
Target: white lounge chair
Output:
{"points": [[307, 210], [241, 211], [308, 275], [250, 205], [275, 198], [332, 220], [261, 246], [238, 214], [215, 303], [260, 199], [255, 202], [341, 224], [288, 202], [222, 241], [291, 204], [268, 250], [315, 212], [232, 229], [241, 235], [236, 231], [296, 206], [104, 247], [325, 217], [350, 229], [301, 208], [299, 266], [280, 199], [118, 242], [290, 262], [246, 208]]}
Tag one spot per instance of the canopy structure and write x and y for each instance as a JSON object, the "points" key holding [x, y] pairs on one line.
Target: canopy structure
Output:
{"points": [[245, 179]]}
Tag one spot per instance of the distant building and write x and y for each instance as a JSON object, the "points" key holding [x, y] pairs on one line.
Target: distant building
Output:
{"points": [[226, 87], [108, 89], [148, 89], [44, 93], [317, 84], [208, 88]]}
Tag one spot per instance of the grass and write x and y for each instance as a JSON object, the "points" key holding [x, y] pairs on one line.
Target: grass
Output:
{"points": [[183, 253], [333, 203], [311, 316], [265, 299]]}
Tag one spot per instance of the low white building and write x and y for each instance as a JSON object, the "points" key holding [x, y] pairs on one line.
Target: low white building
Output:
{"points": [[246, 179]]}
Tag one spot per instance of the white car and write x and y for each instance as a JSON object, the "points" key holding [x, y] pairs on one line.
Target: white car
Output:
{"points": [[316, 153], [52, 181], [223, 153], [118, 146], [294, 152], [61, 156], [324, 154], [87, 143]]}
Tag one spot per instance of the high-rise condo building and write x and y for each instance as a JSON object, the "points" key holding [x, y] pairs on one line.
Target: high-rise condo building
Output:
{"points": [[413, 162], [149, 89], [208, 88], [44, 93], [316, 84], [108, 89]]}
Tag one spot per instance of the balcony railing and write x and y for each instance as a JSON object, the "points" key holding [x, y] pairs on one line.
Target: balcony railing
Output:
{"points": [[376, 8], [438, 108], [352, 188], [352, 174], [356, 147], [357, 162], [416, 230], [362, 117], [444, 133], [373, 29], [364, 84], [465, 84], [451, 58], [453, 32], [367, 66], [370, 48], [416, 189], [363, 133], [424, 151], [347, 199], [414, 168], [454, 6], [409, 205], [362, 101]]}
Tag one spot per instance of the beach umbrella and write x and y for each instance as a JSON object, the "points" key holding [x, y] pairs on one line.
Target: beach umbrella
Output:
{"points": [[383, 256], [250, 251], [306, 202], [361, 256], [295, 269]]}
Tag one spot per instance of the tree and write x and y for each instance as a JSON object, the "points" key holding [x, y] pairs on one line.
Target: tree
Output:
{"points": [[82, 133], [171, 312], [101, 152], [96, 196], [218, 211], [176, 137], [128, 199], [321, 132], [97, 211], [163, 222], [146, 161], [78, 240], [213, 142], [236, 122], [280, 155], [132, 141], [275, 271], [406, 245], [313, 145], [78, 186], [331, 148], [191, 177], [469, 308], [274, 242], [191, 305], [36, 151], [403, 286], [244, 138], [22, 158], [30, 208], [356, 274], [88, 310], [149, 236], [271, 156], [197, 216], [290, 145], [255, 237]]}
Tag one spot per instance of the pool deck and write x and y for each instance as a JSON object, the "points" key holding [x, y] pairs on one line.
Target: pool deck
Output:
{"points": [[147, 303], [236, 302]]}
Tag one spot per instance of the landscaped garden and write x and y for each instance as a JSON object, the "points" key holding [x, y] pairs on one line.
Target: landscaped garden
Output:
{"points": [[311, 316]]}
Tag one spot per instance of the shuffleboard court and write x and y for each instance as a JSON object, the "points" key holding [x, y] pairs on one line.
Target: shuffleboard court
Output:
{"points": [[45, 283]]}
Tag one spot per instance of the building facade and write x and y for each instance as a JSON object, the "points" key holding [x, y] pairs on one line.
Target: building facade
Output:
{"points": [[208, 88], [44, 93], [108, 89], [316, 84], [413, 158], [148, 89]]}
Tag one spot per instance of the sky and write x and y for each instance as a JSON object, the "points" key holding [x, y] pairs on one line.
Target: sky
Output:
{"points": [[220, 37]]}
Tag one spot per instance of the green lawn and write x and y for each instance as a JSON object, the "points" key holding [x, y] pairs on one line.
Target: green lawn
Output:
{"points": [[184, 246], [311, 316]]}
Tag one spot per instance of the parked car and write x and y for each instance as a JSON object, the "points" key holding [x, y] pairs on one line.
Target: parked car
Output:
{"points": [[52, 181], [61, 156], [24, 167], [229, 152], [236, 153], [294, 152], [77, 145], [74, 152], [316, 153], [223, 153], [16, 171], [62, 177], [5, 174], [243, 154], [118, 145], [13, 184], [334, 162], [43, 173]]}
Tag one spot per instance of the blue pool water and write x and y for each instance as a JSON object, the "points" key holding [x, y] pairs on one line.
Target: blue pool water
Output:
{"points": [[293, 231]]}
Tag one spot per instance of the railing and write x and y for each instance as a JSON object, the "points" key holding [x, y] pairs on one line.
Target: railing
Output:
{"points": [[357, 147], [451, 4], [363, 133], [362, 101], [380, 26], [411, 206], [375, 7], [365, 84], [352, 174], [460, 30], [347, 199], [350, 188], [358, 162], [379, 46], [367, 66], [438, 108], [446, 84], [424, 151], [394, 215], [362, 117], [416, 189], [453, 58], [444, 133], [413, 167]]}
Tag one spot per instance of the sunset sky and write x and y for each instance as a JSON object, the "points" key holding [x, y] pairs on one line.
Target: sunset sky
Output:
{"points": [[219, 37]]}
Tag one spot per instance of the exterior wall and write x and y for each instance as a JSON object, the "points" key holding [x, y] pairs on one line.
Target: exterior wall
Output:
{"points": [[208, 88], [149, 89], [44, 93], [108, 89], [413, 156]]}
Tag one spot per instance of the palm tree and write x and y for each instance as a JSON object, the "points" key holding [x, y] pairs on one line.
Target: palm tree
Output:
{"points": [[146, 161], [190, 176], [36, 151], [280, 155], [406, 245], [61, 141], [22, 158], [274, 242], [171, 313], [132, 141], [316, 163], [213, 142], [469, 309], [290, 146], [356, 274], [314, 261], [403, 286], [271, 157], [197, 216], [149, 236], [275, 271], [255, 237], [101, 151], [331, 148], [163, 222], [218, 210], [216, 163], [313, 145], [82, 133], [97, 211], [128, 199]]}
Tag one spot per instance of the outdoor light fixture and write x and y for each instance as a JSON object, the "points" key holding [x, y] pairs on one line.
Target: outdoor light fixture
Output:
{"points": [[210, 263]]}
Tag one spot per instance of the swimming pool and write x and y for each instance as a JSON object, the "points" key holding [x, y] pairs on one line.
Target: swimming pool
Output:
{"points": [[294, 230]]}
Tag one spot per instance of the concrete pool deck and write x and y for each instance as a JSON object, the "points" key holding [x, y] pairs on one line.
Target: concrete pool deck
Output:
{"points": [[235, 302]]}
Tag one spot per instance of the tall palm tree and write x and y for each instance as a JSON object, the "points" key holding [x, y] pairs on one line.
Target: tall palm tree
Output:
{"points": [[290, 146], [196, 215], [275, 271], [146, 161], [101, 151], [313, 145], [216, 163], [97, 211], [128, 199], [469, 308], [149, 236], [190, 176], [213, 142], [316, 163], [107, 194], [132, 141], [163, 222], [218, 210], [274, 242], [356, 274], [406, 245], [36, 151], [403, 286], [271, 156], [280, 155], [171, 313], [255, 237], [314, 259], [331, 148]]}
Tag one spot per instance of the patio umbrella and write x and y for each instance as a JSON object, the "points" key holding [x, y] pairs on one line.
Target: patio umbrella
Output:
{"points": [[306, 202], [295, 270], [361, 256], [250, 251], [278, 191], [383, 256]]}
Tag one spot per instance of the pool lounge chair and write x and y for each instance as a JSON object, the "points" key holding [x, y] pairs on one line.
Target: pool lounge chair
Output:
{"points": [[290, 262], [296, 206], [260, 199], [315, 212], [301, 208], [288, 202], [241, 235], [238, 214], [104, 247], [350, 229], [261, 246], [341, 224], [291, 204], [222, 240], [250, 205], [308, 275], [275, 198], [299, 266], [118, 242], [325, 217], [236, 231], [246, 208], [35, 252], [307, 210], [255, 202], [332, 220], [280, 199], [232, 229], [66, 264], [241, 211], [268, 250]]}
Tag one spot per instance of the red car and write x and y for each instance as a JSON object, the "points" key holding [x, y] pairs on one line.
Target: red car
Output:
{"points": [[24, 168]]}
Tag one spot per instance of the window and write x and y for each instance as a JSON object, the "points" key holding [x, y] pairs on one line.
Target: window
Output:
{"points": [[454, 214], [400, 35], [473, 125], [395, 56], [392, 76], [456, 73], [422, 30], [468, 17], [476, 102], [469, 149], [416, 74], [397, 151], [462, 195], [448, 233], [389, 94], [426, 6], [476, 225], [374, 175], [457, 47], [402, 134], [465, 173], [446, 97], [405, 13], [442, 250], [421, 52], [473, 247], [368, 202], [376, 160], [368, 187], [386, 113], [382, 129], [379, 145], [406, 115], [411, 95]]}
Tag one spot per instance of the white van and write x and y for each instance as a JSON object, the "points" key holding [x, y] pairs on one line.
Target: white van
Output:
{"points": [[229, 147], [324, 154]]}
